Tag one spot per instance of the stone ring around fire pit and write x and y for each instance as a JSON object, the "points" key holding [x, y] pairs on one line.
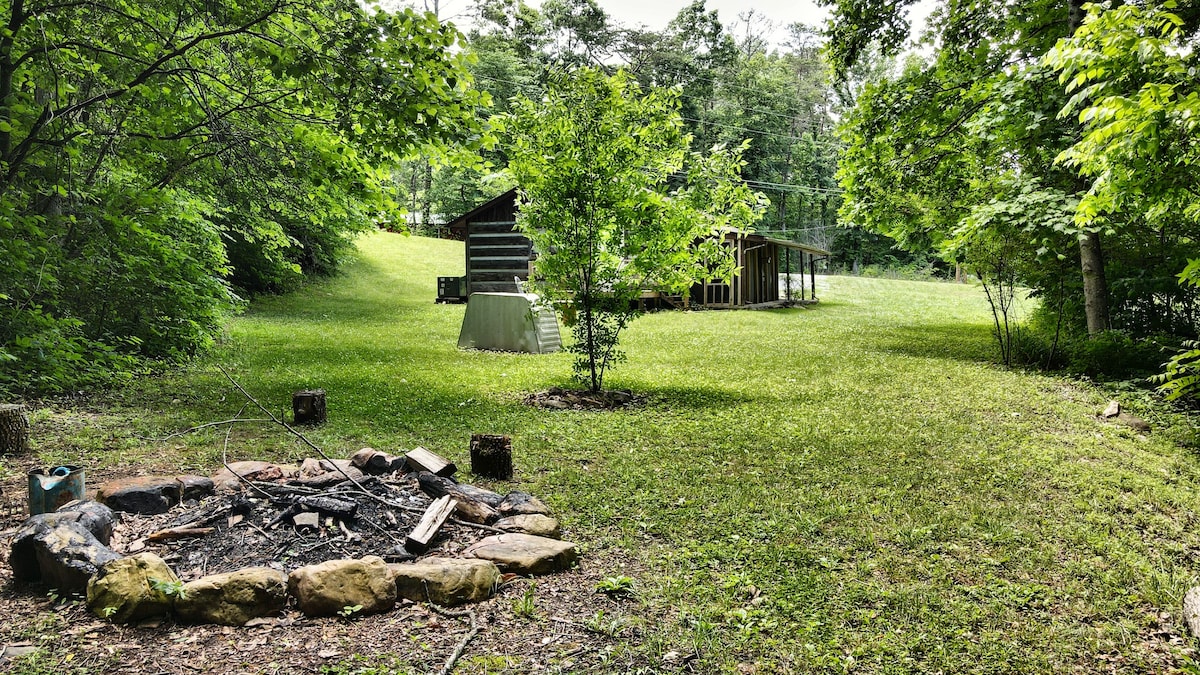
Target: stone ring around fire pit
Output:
{"points": [[329, 536]]}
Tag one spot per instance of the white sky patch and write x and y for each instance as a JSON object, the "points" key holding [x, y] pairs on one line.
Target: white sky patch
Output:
{"points": [[655, 15]]}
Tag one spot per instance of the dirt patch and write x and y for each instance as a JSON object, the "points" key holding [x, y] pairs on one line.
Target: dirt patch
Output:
{"points": [[557, 398], [556, 630]]}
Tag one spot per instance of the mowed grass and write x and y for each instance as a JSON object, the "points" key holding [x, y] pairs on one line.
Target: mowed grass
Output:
{"points": [[851, 487]]}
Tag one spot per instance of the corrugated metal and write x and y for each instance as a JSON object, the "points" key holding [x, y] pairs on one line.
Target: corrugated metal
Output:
{"points": [[509, 322]]}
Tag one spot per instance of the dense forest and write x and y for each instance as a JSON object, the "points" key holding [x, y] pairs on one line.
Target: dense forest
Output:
{"points": [[173, 159]]}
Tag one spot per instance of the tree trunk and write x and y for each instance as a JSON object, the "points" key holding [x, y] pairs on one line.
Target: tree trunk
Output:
{"points": [[1091, 254], [1095, 285], [14, 429], [491, 456], [308, 406]]}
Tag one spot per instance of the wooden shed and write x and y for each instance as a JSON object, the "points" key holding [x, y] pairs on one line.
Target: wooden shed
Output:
{"points": [[760, 260], [497, 255]]}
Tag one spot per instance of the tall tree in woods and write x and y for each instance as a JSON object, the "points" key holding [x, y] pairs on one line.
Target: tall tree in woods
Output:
{"points": [[971, 127], [1132, 73], [150, 150], [615, 203]]}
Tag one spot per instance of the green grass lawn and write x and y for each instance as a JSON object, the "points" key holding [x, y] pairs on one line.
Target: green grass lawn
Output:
{"points": [[851, 487]]}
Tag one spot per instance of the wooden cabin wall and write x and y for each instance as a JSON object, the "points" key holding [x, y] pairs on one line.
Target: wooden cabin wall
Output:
{"points": [[496, 254]]}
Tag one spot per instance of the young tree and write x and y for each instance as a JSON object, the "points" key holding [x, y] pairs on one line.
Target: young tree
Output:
{"points": [[615, 203]]}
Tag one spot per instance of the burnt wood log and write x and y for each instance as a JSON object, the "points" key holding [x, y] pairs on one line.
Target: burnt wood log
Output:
{"points": [[180, 533], [14, 429], [522, 504], [343, 509], [476, 512], [491, 456], [435, 516], [475, 505], [308, 406], [420, 459], [436, 486]]}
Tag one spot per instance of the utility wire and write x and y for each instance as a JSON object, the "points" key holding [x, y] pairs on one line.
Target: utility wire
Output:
{"points": [[828, 144]]}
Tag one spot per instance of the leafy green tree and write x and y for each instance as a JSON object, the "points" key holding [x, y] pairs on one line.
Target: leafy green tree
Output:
{"points": [[1132, 71], [150, 150], [952, 133], [615, 203]]}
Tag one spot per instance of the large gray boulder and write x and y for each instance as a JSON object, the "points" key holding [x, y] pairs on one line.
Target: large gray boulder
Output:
{"points": [[446, 581], [522, 504], [234, 598], [335, 586], [525, 553], [130, 589], [65, 548], [149, 495]]}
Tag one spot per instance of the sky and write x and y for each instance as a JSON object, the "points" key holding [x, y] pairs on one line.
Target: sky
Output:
{"points": [[655, 14]]}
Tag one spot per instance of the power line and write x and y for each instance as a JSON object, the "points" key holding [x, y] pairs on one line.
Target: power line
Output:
{"points": [[787, 187], [814, 141]]}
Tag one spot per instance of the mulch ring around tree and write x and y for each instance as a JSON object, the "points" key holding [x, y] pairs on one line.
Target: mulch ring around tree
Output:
{"points": [[557, 398]]}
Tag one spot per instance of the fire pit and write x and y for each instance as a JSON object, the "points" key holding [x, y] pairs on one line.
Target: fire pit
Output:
{"points": [[337, 536]]}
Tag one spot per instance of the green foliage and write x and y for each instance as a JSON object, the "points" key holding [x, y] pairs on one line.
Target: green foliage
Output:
{"points": [[616, 585], [349, 611], [1131, 71], [152, 154], [525, 605], [1065, 143], [171, 589], [615, 204]]}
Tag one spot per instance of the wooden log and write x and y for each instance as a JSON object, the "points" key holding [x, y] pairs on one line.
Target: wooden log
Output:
{"points": [[475, 505], [436, 486], [308, 406], [476, 512], [180, 533], [491, 456], [14, 429], [435, 516], [343, 509], [420, 459]]}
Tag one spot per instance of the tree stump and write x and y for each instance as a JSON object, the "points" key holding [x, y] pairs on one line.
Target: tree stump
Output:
{"points": [[14, 429], [308, 406], [491, 456]]}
